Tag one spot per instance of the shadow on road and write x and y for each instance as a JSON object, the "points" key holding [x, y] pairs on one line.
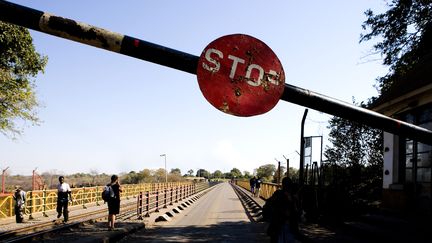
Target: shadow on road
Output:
{"points": [[222, 232]]}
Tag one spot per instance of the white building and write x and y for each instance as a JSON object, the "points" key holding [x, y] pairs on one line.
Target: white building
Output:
{"points": [[407, 163]]}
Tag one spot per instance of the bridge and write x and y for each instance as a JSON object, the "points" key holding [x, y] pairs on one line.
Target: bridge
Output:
{"points": [[195, 212]]}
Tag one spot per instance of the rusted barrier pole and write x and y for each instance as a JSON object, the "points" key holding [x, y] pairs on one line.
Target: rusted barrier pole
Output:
{"points": [[44, 196], [140, 206], [147, 204], [130, 46], [165, 198], [157, 201], [171, 197], [32, 203]]}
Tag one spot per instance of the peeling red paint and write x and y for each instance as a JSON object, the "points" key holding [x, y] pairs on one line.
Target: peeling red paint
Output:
{"points": [[240, 75]]}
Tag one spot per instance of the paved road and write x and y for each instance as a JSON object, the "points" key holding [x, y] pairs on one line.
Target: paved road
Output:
{"points": [[218, 216]]}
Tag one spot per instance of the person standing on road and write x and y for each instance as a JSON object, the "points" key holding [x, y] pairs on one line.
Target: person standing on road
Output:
{"points": [[114, 202], [281, 210], [252, 185], [258, 186], [63, 197], [20, 197]]}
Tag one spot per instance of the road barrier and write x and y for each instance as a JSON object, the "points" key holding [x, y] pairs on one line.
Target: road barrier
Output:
{"points": [[42, 201], [266, 190]]}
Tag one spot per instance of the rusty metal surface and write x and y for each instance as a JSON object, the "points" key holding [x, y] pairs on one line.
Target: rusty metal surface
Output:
{"points": [[240, 75], [80, 32]]}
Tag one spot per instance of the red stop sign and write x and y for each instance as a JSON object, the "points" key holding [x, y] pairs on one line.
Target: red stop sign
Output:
{"points": [[240, 75]]}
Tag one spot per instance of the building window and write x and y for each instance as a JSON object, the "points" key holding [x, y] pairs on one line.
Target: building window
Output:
{"points": [[417, 156]]}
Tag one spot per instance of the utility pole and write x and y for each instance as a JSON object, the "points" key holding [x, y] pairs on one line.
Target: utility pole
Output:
{"points": [[166, 172], [287, 161], [3, 179], [279, 172], [34, 179]]}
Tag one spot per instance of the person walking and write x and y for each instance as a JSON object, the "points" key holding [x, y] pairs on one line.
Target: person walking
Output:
{"points": [[281, 210], [252, 182], [20, 198], [113, 201], [257, 186], [64, 194]]}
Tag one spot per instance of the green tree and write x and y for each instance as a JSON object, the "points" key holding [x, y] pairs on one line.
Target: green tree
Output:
{"points": [[190, 172], [356, 157], [293, 174], [203, 173], [247, 174], [217, 174], [19, 65], [159, 175], [236, 173], [276, 174], [175, 171], [266, 171], [405, 36]]}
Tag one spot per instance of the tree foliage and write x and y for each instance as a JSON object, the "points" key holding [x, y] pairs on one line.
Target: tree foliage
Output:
{"points": [[405, 32], [203, 173], [266, 171], [19, 65], [353, 144], [236, 173], [217, 174]]}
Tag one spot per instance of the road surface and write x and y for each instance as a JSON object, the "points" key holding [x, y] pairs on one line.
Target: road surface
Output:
{"points": [[218, 216]]}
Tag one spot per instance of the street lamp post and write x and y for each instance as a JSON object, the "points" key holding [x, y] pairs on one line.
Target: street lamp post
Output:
{"points": [[166, 173]]}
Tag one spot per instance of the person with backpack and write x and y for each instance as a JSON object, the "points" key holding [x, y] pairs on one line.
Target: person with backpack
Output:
{"points": [[113, 201], [258, 186], [252, 185], [63, 196], [281, 210], [20, 197]]}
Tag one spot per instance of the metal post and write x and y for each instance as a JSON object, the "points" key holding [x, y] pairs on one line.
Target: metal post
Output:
{"points": [[165, 198], [3, 179], [140, 206], [166, 172], [44, 196], [147, 204], [171, 197], [157, 201], [301, 167], [279, 173]]}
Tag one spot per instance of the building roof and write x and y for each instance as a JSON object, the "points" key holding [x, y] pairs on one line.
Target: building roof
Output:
{"points": [[405, 88]]}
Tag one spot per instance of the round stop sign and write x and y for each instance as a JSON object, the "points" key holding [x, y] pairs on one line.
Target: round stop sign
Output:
{"points": [[240, 75]]}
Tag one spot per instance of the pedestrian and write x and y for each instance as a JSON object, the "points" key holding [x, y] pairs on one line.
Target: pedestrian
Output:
{"points": [[252, 185], [20, 198], [114, 201], [281, 210], [63, 197], [258, 182]]}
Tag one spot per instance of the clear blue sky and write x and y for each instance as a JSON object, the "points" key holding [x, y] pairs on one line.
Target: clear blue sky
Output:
{"points": [[112, 113]]}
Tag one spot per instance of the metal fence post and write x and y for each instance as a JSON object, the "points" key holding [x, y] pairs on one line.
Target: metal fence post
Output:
{"points": [[165, 198], [44, 203], [82, 198], [139, 206], [157, 201], [31, 205], [97, 196], [171, 197], [147, 204]]}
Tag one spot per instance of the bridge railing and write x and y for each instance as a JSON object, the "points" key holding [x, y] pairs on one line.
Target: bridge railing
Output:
{"points": [[42, 201], [266, 190]]}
